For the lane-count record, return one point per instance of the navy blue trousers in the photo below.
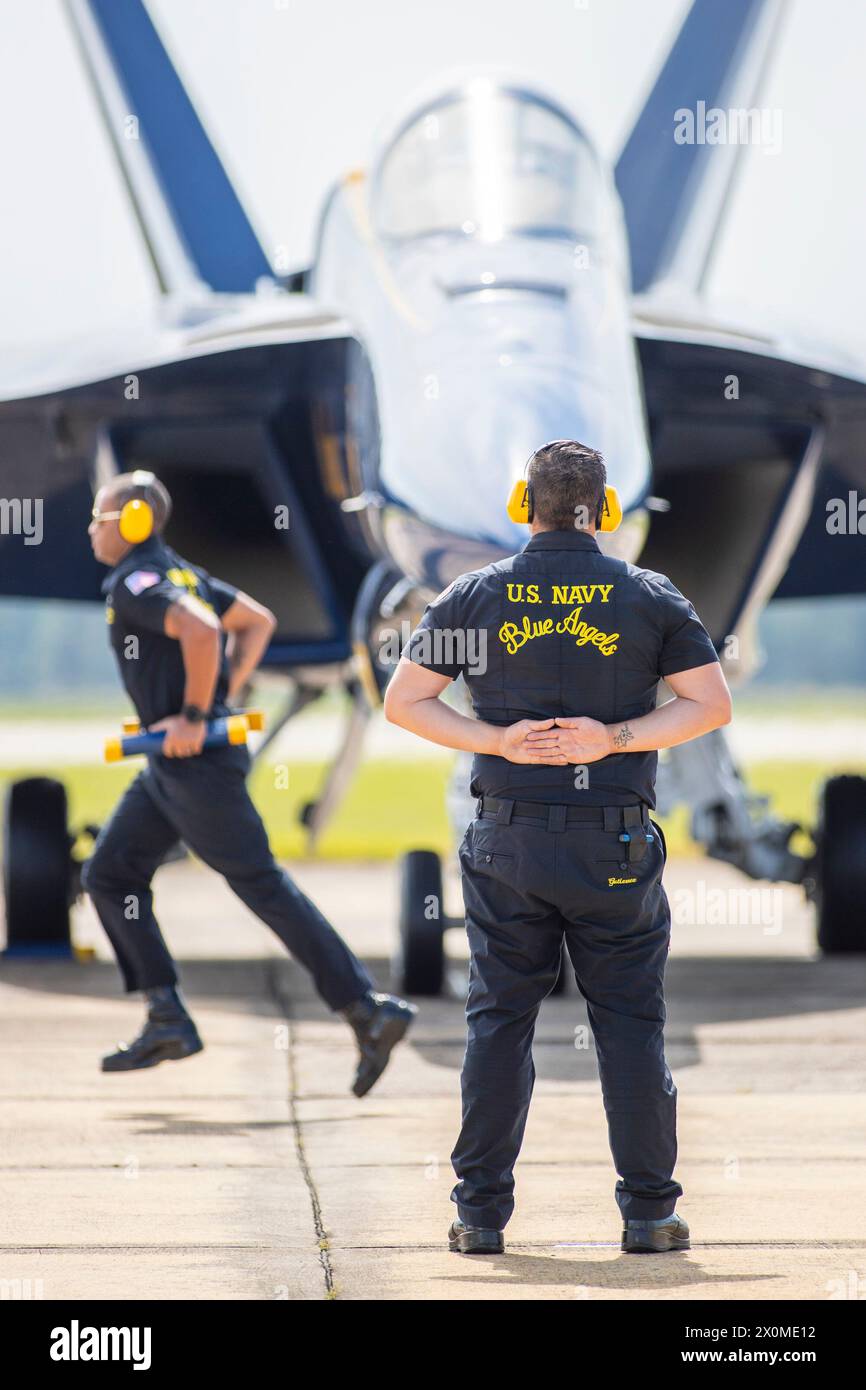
(204, 802)
(527, 889)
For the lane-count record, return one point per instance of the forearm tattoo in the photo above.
(624, 737)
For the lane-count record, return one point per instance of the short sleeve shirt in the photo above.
(138, 594)
(562, 629)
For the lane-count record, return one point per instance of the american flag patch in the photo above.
(140, 580)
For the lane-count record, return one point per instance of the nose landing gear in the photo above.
(418, 965)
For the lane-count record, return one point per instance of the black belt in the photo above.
(623, 819)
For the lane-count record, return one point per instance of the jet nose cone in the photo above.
(471, 445)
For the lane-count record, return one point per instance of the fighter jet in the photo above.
(487, 283)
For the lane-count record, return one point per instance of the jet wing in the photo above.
(746, 428)
(244, 403)
(751, 431)
(248, 417)
(674, 194)
(190, 216)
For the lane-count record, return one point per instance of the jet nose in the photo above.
(474, 438)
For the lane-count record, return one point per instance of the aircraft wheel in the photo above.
(37, 864)
(419, 965)
(840, 894)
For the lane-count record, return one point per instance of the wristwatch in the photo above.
(194, 714)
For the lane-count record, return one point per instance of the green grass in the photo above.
(390, 806)
(66, 709)
(393, 806)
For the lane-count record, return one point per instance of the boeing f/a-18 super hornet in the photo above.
(488, 284)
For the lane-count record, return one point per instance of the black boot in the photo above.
(378, 1021)
(475, 1240)
(168, 1034)
(640, 1239)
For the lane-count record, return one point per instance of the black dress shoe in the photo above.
(378, 1021)
(168, 1035)
(475, 1240)
(656, 1240)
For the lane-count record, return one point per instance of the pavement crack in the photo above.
(284, 1002)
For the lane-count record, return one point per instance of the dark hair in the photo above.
(142, 483)
(564, 476)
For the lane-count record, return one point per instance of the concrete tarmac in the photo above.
(250, 1172)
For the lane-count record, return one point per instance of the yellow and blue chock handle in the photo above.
(229, 728)
(255, 721)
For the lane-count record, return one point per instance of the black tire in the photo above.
(419, 965)
(840, 893)
(37, 864)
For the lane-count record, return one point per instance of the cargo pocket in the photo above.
(617, 873)
(662, 841)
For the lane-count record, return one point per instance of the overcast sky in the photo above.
(292, 91)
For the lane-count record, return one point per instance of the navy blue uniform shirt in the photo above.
(562, 629)
(138, 593)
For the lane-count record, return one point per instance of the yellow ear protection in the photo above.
(520, 508)
(609, 511)
(519, 504)
(136, 515)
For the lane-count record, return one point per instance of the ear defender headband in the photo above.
(136, 515)
(521, 509)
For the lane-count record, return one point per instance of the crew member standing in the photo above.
(186, 645)
(568, 647)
